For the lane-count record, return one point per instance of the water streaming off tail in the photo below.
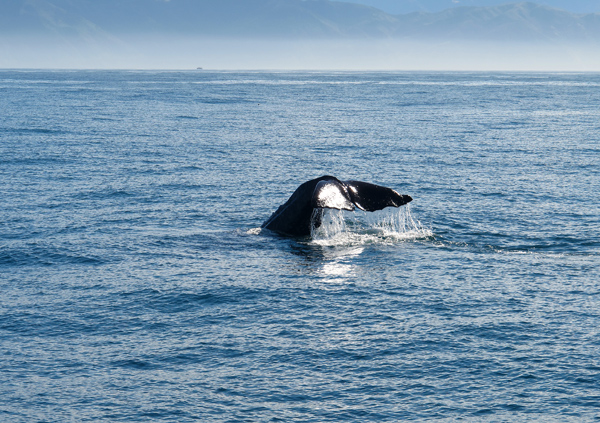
(339, 227)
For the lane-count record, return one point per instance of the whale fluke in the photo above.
(293, 218)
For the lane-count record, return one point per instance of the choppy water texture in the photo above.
(135, 285)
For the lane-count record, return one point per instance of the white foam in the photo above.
(253, 231)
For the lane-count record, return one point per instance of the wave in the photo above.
(480, 242)
(45, 256)
(40, 131)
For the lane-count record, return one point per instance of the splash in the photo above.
(338, 227)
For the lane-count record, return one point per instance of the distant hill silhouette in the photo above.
(410, 6)
(312, 19)
(509, 22)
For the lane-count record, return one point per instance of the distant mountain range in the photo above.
(294, 19)
(409, 6)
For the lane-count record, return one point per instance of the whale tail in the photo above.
(371, 197)
(346, 195)
(327, 192)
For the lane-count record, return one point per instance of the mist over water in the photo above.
(168, 52)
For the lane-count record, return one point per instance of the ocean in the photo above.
(136, 284)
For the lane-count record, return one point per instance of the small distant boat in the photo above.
(198, 68)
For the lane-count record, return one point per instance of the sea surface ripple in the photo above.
(137, 286)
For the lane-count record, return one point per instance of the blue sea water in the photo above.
(136, 285)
